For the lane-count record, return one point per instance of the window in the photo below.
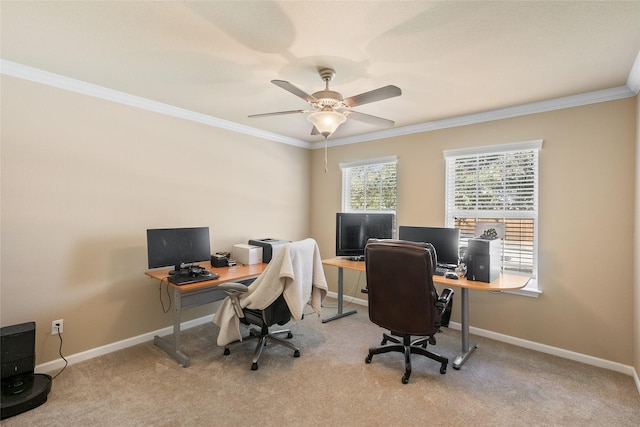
(369, 185)
(497, 187)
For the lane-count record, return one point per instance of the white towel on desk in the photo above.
(295, 271)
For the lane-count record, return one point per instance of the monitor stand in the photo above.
(356, 258)
(178, 269)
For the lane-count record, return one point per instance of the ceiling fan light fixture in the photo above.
(326, 121)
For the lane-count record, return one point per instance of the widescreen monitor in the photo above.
(177, 247)
(446, 241)
(354, 229)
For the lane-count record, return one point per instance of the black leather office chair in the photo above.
(403, 299)
(296, 274)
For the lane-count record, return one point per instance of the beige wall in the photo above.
(587, 179)
(82, 180)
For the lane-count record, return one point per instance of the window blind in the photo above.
(497, 186)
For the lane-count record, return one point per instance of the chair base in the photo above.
(408, 347)
(263, 338)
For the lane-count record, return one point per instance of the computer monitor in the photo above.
(354, 229)
(177, 247)
(446, 241)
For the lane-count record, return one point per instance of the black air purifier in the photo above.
(22, 389)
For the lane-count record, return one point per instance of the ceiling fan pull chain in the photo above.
(326, 167)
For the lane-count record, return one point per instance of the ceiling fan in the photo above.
(330, 109)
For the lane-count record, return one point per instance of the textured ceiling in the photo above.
(217, 58)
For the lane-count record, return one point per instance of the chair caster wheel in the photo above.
(289, 335)
(254, 366)
(405, 379)
(367, 359)
(296, 353)
(443, 369)
(383, 342)
(227, 352)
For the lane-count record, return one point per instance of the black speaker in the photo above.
(483, 260)
(21, 389)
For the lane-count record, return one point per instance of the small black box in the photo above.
(219, 261)
(483, 260)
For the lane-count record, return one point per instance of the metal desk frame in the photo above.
(195, 294)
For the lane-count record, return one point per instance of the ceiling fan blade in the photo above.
(373, 95)
(279, 113)
(294, 90)
(369, 119)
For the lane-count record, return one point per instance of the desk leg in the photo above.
(173, 350)
(340, 299)
(467, 347)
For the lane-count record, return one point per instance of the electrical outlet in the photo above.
(56, 326)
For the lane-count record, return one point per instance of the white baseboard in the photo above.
(119, 345)
(555, 351)
(543, 348)
(348, 299)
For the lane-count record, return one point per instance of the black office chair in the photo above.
(277, 313)
(403, 299)
(296, 271)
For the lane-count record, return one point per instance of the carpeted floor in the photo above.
(500, 385)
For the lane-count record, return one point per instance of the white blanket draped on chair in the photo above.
(295, 271)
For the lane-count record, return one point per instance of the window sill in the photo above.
(531, 290)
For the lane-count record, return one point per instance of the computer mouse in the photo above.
(195, 271)
(451, 275)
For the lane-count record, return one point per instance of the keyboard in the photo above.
(187, 279)
(442, 270)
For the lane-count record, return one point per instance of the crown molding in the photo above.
(633, 82)
(598, 96)
(55, 80)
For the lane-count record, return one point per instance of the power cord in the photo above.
(351, 292)
(168, 295)
(66, 362)
(360, 284)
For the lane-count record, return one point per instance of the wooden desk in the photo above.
(505, 282)
(195, 294)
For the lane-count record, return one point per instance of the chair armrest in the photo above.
(233, 286)
(234, 290)
(445, 297)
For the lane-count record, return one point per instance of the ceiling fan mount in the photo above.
(327, 74)
(330, 109)
(327, 98)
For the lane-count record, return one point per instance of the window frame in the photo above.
(534, 146)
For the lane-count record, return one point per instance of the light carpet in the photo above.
(330, 384)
